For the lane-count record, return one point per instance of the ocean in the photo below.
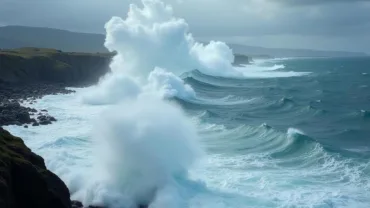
(291, 132)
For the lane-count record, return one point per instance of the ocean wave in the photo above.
(302, 165)
(365, 114)
(296, 144)
(258, 71)
(259, 66)
(255, 71)
(204, 83)
(244, 165)
(228, 100)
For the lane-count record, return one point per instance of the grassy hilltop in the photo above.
(50, 65)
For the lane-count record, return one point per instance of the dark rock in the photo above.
(24, 179)
(42, 117)
(45, 119)
(43, 110)
(32, 110)
(35, 124)
(23, 117)
(77, 204)
(25, 126)
(45, 122)
(12, 113)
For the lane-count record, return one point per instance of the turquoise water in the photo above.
(295, 133)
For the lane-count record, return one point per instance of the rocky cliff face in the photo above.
(30, 65)
(25, 181)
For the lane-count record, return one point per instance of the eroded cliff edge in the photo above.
(35, 65)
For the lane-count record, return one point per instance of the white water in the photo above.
(260, 70)
(221, 178)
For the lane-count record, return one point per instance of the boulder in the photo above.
(45, 122)
(77, 204)
(12, 113)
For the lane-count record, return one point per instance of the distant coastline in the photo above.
(20, 36)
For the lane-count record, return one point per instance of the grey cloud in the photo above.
(270, 20)
(315, 2)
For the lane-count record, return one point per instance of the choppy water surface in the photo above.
(291, 133)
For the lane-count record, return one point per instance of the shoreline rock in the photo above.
(13, 95)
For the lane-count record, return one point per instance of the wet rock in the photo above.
(11, 94)
(25, 126)
(23, 117)
(52, 118)
(77, 204)
(45, 122)
(32, 110)
(12, 113)
(45, 119)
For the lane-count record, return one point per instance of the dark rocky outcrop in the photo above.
(30, 91)
(12, 113)
(77, 204)
(24, 179)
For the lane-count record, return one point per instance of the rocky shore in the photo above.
(27, 74)
(12, 96)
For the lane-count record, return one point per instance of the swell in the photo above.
(251, 110)
(273, 163)
(262, 139)
(291, 149)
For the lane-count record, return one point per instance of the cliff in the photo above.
(21, 36)
(31, 65)
(24, 179)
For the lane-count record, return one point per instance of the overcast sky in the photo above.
(315, 24)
